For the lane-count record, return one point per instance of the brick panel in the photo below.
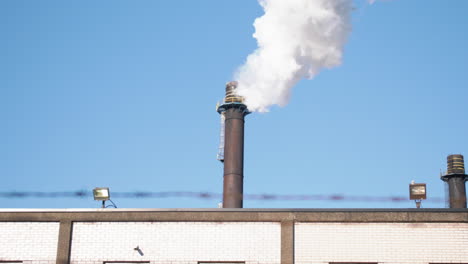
(176, 242)
(28, 242)
(381, 242)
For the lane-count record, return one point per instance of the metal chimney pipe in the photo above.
(234, 111)
(456, 179)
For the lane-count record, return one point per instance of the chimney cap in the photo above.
(455, 164)
(231, 94)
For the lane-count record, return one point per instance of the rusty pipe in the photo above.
(233, 186)
(456, 179)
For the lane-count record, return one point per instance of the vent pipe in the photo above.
(233, 111)
(456, 178)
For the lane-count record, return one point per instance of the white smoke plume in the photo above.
(296, 39)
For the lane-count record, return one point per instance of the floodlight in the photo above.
(101, 194)
(417, 192)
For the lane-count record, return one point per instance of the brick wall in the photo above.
(28, 242)
(381, 242)
(176, 242)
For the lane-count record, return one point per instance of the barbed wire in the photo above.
(212, 196)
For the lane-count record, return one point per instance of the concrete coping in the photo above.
(234, 215)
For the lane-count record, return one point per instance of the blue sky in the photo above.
(123, 93)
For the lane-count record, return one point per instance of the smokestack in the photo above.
(456, 179)
(232, 111)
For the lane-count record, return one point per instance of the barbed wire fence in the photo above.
(214, 196)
